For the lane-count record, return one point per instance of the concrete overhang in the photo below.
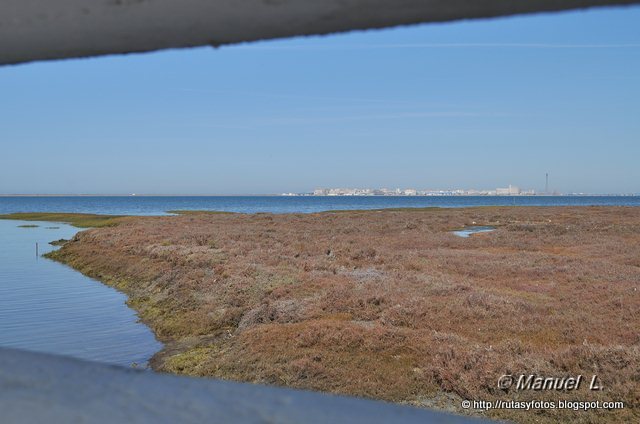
(55, 29)
(41, 388)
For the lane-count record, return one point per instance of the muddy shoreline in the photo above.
(387, 304)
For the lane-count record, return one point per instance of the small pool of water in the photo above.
(473, 230)
(48, 307)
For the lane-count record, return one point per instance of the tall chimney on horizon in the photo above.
(546, 184)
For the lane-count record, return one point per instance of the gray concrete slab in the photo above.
(53, 29)
(40, 388)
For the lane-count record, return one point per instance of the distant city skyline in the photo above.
(408, 190)
(504, 191)
(464, 104)
(361, 191)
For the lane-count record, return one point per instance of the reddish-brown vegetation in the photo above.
(389, 304)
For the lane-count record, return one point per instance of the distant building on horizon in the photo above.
(510, 191)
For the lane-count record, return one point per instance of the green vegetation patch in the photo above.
(198, 212)
(190, 362)
(28, 226)
(80, 220)
(59, 242)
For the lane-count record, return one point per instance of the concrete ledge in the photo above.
(54, 29)
(40, 388)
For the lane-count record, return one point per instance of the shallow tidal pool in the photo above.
(48, 307)
(466, 232)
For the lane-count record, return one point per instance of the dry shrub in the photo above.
(388, 305)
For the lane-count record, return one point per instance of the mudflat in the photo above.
(390, 304)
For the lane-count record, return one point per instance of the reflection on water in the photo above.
(48, 307)
(473, 230)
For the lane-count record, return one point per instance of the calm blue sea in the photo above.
(151, 205)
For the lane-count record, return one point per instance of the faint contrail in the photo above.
(437, 46)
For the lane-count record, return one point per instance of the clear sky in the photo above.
(478, 104)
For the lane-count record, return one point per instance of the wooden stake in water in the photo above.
(36, 250)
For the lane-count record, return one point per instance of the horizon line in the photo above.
(308, 194)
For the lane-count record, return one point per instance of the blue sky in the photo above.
(477, 104)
